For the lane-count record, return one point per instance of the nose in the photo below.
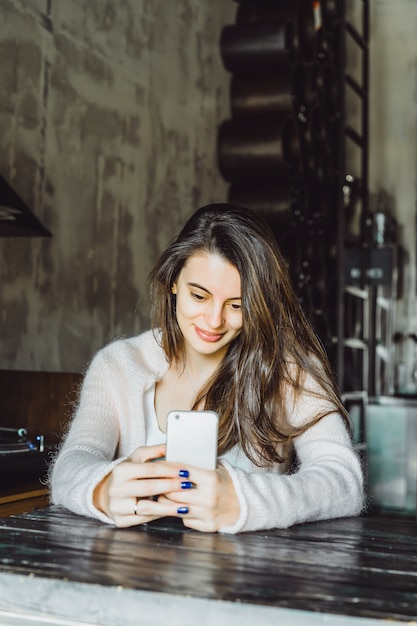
(215, 315)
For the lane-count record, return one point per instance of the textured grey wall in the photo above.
(108, 124)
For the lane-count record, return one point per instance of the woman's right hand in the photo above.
(119, 494)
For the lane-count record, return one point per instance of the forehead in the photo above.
(209, 270)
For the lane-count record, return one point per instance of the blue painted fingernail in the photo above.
(182, 510)
(183, 473)
(186, 484)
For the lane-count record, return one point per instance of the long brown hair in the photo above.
(276, 347)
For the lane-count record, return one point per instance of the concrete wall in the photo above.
(108, 123)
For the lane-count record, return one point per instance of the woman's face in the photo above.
(208, 307)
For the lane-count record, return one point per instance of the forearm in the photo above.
(74, 478)
(328, 484)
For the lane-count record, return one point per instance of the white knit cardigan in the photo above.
(109, 424)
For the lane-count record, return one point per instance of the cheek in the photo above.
(187, 308)
(236, 323)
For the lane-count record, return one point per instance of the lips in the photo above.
(206, 336)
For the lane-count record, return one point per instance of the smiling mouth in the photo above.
(206, 336)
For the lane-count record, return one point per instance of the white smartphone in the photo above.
(192, 438)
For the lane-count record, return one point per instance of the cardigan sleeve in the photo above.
(327, 483)
(87, 454)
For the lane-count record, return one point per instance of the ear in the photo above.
(174, 289)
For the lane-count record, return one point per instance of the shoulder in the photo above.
(311, 399)
(141, 351)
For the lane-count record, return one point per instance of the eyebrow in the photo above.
(209, 292)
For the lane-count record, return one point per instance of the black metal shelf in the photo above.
(356, 299)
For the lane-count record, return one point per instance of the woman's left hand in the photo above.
(211, 503)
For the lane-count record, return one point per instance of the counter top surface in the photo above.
(362, 567)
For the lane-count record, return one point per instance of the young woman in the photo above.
(228, 335)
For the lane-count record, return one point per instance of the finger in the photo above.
(122, 507)
(145, 487)
(161, 508)
(130, 470)
(124, 521)
(202, 525)
(144, 454)
(125, 512)
(204, 491)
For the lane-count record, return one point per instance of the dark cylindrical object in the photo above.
(281, 205)
(278, 92)
(263, 95)
(246, 49)
(284, 200)
(298, 12)
(257, 151)
(251, 12)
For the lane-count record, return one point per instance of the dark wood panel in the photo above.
(23, 501)
(356, 566)
(40, 401)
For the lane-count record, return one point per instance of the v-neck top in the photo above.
(154, 435)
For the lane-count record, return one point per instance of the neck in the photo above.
(202, 366)
(199, 368)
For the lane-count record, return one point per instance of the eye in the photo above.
(197, 296)
(235, 306)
